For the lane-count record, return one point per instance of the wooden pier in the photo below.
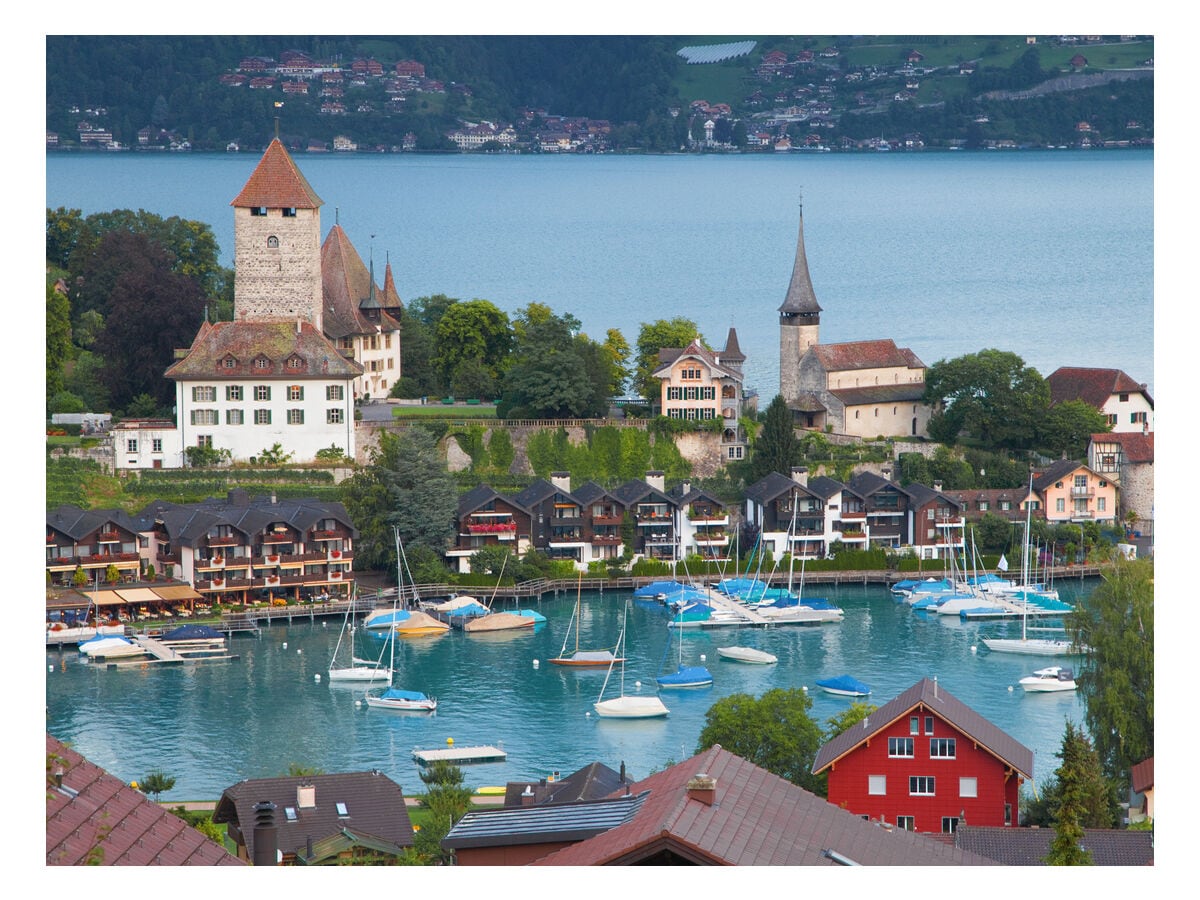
(159, 653)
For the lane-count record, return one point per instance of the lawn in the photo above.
(445, 411)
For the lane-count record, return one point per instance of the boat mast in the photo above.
(792, 538)
(1025, 560)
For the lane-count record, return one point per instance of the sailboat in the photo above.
(684, 676)
(623, 706)
(1025, 644)
(392, 697)
(582, 658)
(359, 669)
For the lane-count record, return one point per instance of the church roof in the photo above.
(732, 352)
(348, 289)
(277, 183)
(800, 296)
(905, 392)
(880, 354)
(391, 297)
(229, 350)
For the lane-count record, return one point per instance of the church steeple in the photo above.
(799, 321)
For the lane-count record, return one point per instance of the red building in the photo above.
(925, 761)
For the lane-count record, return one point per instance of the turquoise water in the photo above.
(1048, 254)
(210, 725)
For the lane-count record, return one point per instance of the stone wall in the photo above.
(280, 282)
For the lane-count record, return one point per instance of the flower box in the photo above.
(273, 558)
(335, 575)
(335, 554)
(272, 579)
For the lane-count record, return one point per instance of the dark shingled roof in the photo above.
(756, 818)
(1092, 386)
(277, 183)
(590, 492)
(905, 392)
(772, 486)
(243, 342)
(800, 295)
(374, 805)
(189, 523)
(96, 818)
(593, 782)
(1055, 472)
(1030, 846)
(929, 695)
(732, 352)
(881, 354)
(540, 824)
(78, 523)
(635, 491)
(668, 356)
(478, 496)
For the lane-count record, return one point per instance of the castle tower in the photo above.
(799, 321)
(277, 244)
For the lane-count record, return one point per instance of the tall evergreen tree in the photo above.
(1084, 799)
(777, 448)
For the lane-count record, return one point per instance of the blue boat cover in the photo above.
(844, 683)
(537, 617)
(654, 588)
(398, 694)
(687, 675)
(192, 633)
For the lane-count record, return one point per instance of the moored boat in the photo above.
(1049, 680)
(844, 685)
(110, 645)
(747, 655)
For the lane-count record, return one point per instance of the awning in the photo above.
(108, 598)
(137, 595)
(175, 592)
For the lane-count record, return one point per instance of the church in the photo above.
(865, 389)
(311, 333)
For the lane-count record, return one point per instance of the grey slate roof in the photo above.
(539, 824)
(590, 492)
(772, 486)
(931, 696)
(825, 487)
(78, 523)
(593, 782)
(538, 492)
(478, 496)
(187, 524)
(922, 495)
(906, 392)
(800, 296)
(1029, 846)
(635, 490)
(1056, 472)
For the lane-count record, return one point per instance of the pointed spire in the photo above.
(391, 297)
(277, 183)
(732, 352)
(800, 298)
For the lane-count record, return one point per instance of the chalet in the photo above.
(593, 782)
(603, 516)
(702, 522)
(1142, 789)
(1126, 404)
(91, 541)
(687, 815)
(1069, 491)
(409, 68)
(486, 518)
(1128, 460)
(937, 522)
(790, 516)
(702, 385)
(556, 517)
(926, 762)
(1006, 503)
(94, 818)
(295, 87)
(316, 819)
(653, 512)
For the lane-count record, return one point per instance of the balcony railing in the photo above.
(490, 527)
(279, 538)
(606, 520)
(1082, 492)
(606, 539)
(108, 537)
(227, 541)
(327, 535)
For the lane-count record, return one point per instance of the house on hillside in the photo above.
(926, 762)
(1127, 458)
(1126, 404)
(1073, 492)
(316, 819)
(702, 385)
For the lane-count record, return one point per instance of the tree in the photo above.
(1116, 678)
(58, 338)
(501, 450)
(555, 371)
(776, 449)
(991, 395)
(475, 330)
(1067, 428)
(1084, 800)
(156, 783)
(406, 484)
(617, 350)
(851, 715)
(297, 770)
(274, 455)
(774, 732)
(447, 801)
(654, 336)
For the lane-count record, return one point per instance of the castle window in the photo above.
(228, 362)
(262, 392)
(295, 362)
(258, 210)
(234, 417)
(233, 393)
(289, 212)
(206, 394)
(333, 416)
(295, 392)
(272, 243)
(295, 417)
(262, 417)
(334, 392)
(262, 362)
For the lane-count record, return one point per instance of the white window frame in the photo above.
(233, 393)
(334, 416)
(262, 417)
(295, 417)
(922, 786)
(334, 392)
(938, 748)
(262, 392)
(897, 746)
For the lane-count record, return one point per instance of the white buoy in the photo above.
(317, 677)
(973, 648)
(804, 687)
(1010, 688)
(285, 645)
(358, 703)
(703, 657)
(51, 668)
(638, 685)
(536, 664)
(588, 714)
(298, 650)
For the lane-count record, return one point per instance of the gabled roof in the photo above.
(825, 487)
(277, 183)
(1030, 846)
(881, 354)
(753, 818)
(593, 782)
(348, 289)
(929, 696)
(590, 493)
(905, 392)
(1142, 776)
(1092, 386)
(1135, 446)
(78, 523)
(635, 490)
(867, 483)
(540, 491)
(682, 497)
(95, 818)
(188, 523)
(243, 342)
(772, 486)
(541, 823)
(800, 297)
(807, 402)
(1057, 471)
(481, 494)
(922, 495)
(373, 803)
(668, 356)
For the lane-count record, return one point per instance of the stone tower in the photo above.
(277, 244)
(799, 321)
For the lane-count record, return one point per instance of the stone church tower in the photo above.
(799, 322)
(277, 244)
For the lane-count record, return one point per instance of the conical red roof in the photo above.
(277, 184)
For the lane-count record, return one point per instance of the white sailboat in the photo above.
(392, 697)
(358, 670)
(582, 658)
(1025, 644)
(624, 706)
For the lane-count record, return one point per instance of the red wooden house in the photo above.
(926, 761)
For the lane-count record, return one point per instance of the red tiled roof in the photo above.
(277, 183)
(865, 355)
(755, 818)
(346, 282)
(242, 342)
(1142, 775)
(1137, 447)
(1093, 386)
(95, 818)
(668, 356)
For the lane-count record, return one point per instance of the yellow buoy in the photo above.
(450, 741)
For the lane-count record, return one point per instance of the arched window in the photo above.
(272, 243)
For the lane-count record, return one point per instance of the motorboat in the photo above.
(405, 701)
(109, 646)
(1050, 679)
(747, 655)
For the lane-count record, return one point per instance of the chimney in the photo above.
(306, 796)
(58, 776)
(703, 787)
(937, 486)
(622, 771)
(685, 488)
(657, 480)
(266, 837)
(800, 475)
(562, 481)
(308, 848)
(527, 795)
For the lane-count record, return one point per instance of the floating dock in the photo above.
(460, 755)
(158, 652)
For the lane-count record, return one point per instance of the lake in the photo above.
(1048, 254)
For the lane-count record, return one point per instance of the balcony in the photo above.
(606, 539)
(606, 519)
(279, 537)
(327, 535)
(1082, 492)
(491, 527)
(171, 559)
(858, 516)
(716, 539)
(108, 537)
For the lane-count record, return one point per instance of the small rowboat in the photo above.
(747, 655)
